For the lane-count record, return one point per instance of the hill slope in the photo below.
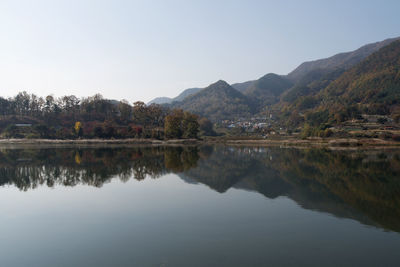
(180, 97)
(375, 81)
(186, 93)
(267, 89)
(342, 60)
(371, 87)
(367, 77)
(217, 101)
(241, 87)
(160, 100)
(311, 83)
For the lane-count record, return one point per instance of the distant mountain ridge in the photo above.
(371, 87)
(268, 88)
(219, 100)
(342, 60)
(222, 101)
(241, 87)
(376, 80)
(186, 93)
(303, 89)
(180, 97)
(160, 100)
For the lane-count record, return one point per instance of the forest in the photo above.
(69, 117)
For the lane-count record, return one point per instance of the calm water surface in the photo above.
(199, 206)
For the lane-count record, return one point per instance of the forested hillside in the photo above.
(342, 60)
(374, 84)
(220, 101)
(361, 81)
(371, 87)
(241, 87)
(217, 101)
(267, 89)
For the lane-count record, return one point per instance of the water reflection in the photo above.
(29, 168)
(361, 185)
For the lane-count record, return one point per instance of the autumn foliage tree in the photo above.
(173, 124)
(69, 117)
(181, 124)
(78, 129)
(190, 125)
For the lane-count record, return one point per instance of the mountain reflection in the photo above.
(361, 185)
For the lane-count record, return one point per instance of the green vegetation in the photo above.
(29, 116)
(219, 100)
(181, 124)
(374, 84)
(333, 91)
(267, 89)
(342, 60)
(349, 91)
(320, 131)
(371, 87)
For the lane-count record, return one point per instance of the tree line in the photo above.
(67, 117)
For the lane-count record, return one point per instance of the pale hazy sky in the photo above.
(138, 50)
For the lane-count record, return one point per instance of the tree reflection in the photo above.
(28, 169)
(361, 185)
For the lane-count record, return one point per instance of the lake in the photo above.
(199, 206)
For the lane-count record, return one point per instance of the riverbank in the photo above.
(317, 142)
(133, 141)
(310, 142)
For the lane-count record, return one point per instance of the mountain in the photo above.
(267, 89)
(180, 97)
(311, 83)
(373, 82)
(241, 87)
(186, 93)
(160, 100)
(217, 101)
(313, 92)
(370, 87)
(342, 60)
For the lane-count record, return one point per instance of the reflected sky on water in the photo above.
(199, 206)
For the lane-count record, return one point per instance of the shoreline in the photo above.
(311, 142)
(318, 142)
(97, 141)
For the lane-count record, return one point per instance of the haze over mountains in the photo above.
(369, 75)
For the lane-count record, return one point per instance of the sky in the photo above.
(139, 50)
